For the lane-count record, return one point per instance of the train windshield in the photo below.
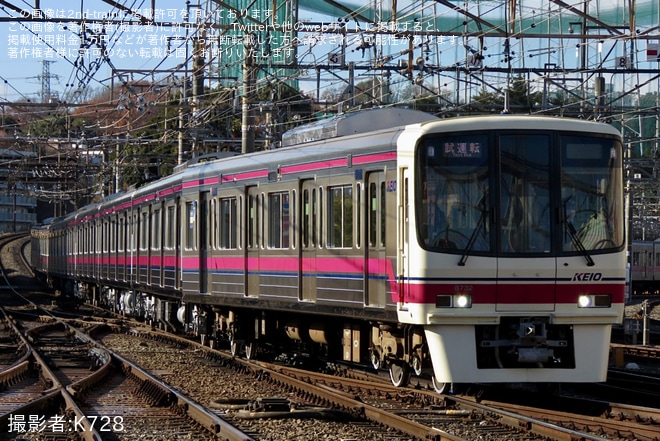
(455, 187)
(518, 194)
(591, 194)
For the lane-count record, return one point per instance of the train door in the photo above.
(143, 249)
(202, 225)
(104, 266)
(149, 243)
(76, 246)
(309, 240)
(97, 251)
(403, 234)
(121, 247)
(160, 218)
(177, 244)
(525, 226)
(134, 241)
(375, 267)
(253, 232)
(157, 244)
(114, 247)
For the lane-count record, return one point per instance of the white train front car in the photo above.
(512, 251)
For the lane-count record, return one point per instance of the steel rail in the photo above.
(206, 418)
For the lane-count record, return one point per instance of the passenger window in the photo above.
(278, 220)
(155, 230)
(340, 216)
(373, 209)
(169, 229)
(306, 214)
(252, 221)
(228, 223)
(191, 225)
(144, 233)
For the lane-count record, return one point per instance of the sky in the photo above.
(27, 45)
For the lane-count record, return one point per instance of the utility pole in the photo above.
(198, 62)
(182, 101)
(249, 82)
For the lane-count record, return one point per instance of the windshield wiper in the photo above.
(576, 240)
(473, 237)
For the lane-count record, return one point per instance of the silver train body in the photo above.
(645, 267)
(477, 249)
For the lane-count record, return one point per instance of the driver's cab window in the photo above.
(525, 213)
(454, 193)
(591, 199)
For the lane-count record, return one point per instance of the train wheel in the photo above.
(440, 387)
(375, 359)
(251, 350)
(234, 348)
(416, 364)
(399, 373)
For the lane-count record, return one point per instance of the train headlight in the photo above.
(453, 301)
(594, 301)
(463, 301)
(584, 301)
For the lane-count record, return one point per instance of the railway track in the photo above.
(420, 414)
(70, 386)
(618, 422)
(16, 273)
(65, 387)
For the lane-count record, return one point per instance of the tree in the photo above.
(488, 101)
(521, 97)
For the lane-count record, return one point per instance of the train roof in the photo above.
(313, 151)
(354, 123)
(520, 122)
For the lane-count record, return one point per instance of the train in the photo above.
(644, 267)
(476, 249)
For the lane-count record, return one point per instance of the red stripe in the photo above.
(542, 293)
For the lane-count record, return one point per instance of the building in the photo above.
(17, 206)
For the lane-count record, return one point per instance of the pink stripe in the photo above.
(146, 198)
(253, 263)
(339, 265)
(243, 176)
(169, 191)
(378, 157)
(342, 162)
